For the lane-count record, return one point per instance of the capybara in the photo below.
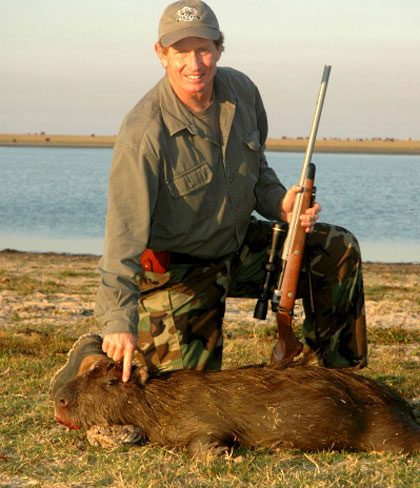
(304, 407)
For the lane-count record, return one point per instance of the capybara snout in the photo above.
(303, 407)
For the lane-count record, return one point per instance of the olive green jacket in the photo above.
(173, 186)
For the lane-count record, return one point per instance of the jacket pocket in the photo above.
(190, 181)
(252, 140)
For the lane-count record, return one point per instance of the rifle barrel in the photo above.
(297, 208)
(315, 122)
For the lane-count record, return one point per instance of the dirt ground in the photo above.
(48, 288)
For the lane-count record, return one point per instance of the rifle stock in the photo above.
(284, 296)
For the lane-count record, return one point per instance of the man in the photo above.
(188, 171)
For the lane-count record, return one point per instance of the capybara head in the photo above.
(99, 396)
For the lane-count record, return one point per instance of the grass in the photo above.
(27, 286)
(37, 452)
(393, 335)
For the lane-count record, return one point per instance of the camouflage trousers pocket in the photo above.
(180, 325)
(158, 340)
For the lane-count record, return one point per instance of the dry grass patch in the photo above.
(37, 452)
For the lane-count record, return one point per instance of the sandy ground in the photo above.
(60, 289)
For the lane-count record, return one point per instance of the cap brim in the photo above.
(190, 31)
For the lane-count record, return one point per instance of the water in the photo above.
(375, 196)
(54, 199)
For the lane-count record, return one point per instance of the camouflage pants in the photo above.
(181, 311)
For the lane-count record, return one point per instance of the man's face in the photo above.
(191, 66)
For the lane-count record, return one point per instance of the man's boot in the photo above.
(84, 352)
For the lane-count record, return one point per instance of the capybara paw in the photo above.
(110, 436)
(205, 450)
(143, 374)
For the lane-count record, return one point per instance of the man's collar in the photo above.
(176, 115)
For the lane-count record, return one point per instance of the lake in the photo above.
(54, 199)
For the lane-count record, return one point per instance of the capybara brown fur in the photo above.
(303, 407)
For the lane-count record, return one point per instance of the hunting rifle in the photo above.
(283, 297)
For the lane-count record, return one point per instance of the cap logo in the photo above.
(187, 14)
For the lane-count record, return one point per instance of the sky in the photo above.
(78, 66)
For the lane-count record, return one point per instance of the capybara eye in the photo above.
(112, 382)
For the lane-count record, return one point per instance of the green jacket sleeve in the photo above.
(269, 190)
(133, 187)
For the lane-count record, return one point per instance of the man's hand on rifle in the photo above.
(308, 219)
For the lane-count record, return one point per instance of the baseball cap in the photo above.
(187, 18)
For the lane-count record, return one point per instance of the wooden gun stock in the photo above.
(288, 345)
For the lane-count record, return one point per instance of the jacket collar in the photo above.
(177, 117)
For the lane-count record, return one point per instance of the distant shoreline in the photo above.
(362, 146)
(93, 255)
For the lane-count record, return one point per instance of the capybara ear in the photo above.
(140, 373)
(95, 364)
